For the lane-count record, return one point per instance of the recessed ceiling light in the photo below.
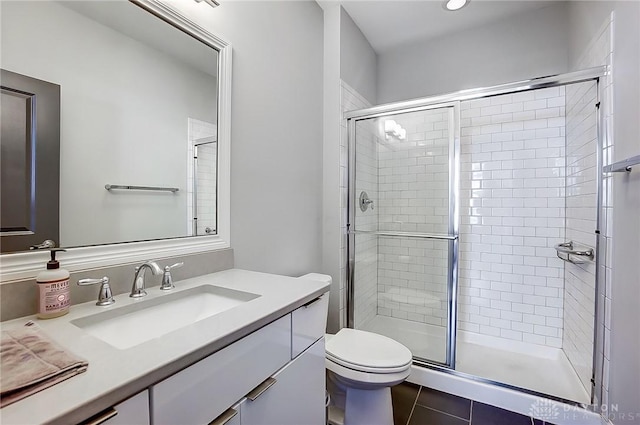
(455, 4)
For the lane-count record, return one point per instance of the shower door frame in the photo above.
(451, 237)
(448, 100)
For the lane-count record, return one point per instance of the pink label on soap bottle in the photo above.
(54, 296)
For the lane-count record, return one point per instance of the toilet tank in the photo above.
(317, 276)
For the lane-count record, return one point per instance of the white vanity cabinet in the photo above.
(296, 396)
(262, 377)
(203, 391)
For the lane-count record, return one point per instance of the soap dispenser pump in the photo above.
(53, 289)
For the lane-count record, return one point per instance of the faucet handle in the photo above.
(167, 280)
(105, 296)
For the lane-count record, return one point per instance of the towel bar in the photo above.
(568, 252)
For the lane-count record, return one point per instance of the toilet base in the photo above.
(368, 407)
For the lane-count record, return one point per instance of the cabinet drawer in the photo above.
(309, 324)
(296, 398)
(132, 411)
(201, 392)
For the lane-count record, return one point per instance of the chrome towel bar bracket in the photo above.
(622, 166)
(569, 253)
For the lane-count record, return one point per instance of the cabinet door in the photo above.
(308, 324)
(296, 398)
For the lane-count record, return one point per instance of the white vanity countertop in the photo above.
(115, 375)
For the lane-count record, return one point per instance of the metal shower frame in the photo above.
(453, 100)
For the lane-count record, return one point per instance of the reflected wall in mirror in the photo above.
(138, 98)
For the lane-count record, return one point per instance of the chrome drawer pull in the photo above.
(308, 304)
(101, 417)
(257, 391)
(225, 417)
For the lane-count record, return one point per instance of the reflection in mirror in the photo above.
(138, 103)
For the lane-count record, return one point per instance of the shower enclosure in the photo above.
(461, 208)
(202, 176)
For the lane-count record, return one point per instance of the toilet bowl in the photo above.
(361, 369)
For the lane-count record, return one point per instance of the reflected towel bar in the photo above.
(568, 250)
(621, 166)
(127, 187)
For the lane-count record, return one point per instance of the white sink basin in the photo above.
(144, 320)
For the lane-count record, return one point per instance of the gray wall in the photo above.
(528, 45)
(276, 131)
(586, 18)
(358, 60)
(331, 218)
(348, 56)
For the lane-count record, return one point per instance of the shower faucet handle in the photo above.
(167, 280)
(365, 202)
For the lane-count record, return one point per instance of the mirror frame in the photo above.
(25, 265)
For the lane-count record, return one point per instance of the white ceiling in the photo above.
(391, 23)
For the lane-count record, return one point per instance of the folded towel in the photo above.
(31, 362)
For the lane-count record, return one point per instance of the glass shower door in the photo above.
(403, 228)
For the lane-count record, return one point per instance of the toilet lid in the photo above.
(367, 351)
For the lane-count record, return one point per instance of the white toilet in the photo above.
(361, 369)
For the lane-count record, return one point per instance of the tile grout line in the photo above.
(470, 412)
(414, 404)
(444, 413)
(440, 411)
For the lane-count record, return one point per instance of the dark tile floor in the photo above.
(416, 405)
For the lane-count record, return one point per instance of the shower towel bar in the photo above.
(127, 187)
(621, 166)
(570, 253)
(404, 234)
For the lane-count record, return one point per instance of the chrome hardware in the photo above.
(365, 201)
(622, 166)
(568, 252)
(101, 417)
(313, 301)
(128, 187)
(44, 245)
(403, 234)
(137, 290)
(105, 297)
(225, 417)
(208, 230)
(167, 280)
(260, 389)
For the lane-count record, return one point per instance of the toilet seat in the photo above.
(367, 352)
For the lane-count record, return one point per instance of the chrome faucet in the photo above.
(137, 290)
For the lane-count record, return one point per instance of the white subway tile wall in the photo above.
(581, 214)
(414, 197)
(600, 52)
(366, 248)
(512, 212)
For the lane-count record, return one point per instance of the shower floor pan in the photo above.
(529, 366)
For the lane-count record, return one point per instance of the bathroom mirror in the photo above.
(143, 91)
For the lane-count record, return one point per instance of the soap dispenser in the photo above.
(53, 289)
